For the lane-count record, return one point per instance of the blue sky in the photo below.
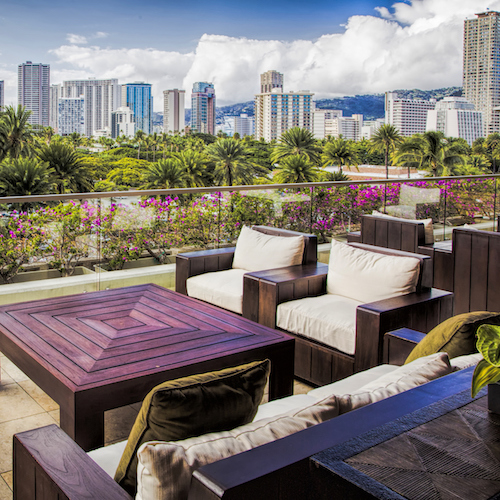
(328, 47)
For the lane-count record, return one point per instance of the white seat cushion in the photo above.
(369, 276)
(331, 319)
(222, 288)
(256, 251)
(108, 457)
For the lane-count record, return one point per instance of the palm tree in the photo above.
(232, 162)
(164, 174)
(340, 152)
(24, 177)
(139, 138)
(492, 146)
(194, 164)
(296, 141)
(386, 139)
(76, 139)
(69, 173)
(295, 169)
(432, 151)
(15, 132)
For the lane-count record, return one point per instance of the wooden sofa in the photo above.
(220, 259)
(48, 465)
(318, 363)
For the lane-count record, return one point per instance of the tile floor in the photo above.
(24, 406)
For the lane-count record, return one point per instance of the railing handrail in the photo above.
(216, 189)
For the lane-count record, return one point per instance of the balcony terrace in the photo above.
(114, 237)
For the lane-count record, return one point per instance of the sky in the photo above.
(332, 48)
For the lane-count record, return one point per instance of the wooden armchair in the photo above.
(208, 261)
(319, 363)
(409, 236)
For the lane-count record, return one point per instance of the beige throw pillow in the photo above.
(369, 276)
(406, 377)
(256, 251)
(165, 468)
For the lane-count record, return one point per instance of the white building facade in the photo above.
(408, 116)
(456, 117)
(71, 115)
(122, 122)
(174, 112)
(242, 125)
(102, 97)
(276, 112)
(332, 123)
(55, 95)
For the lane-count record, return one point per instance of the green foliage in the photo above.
(386, 140)
(15, 132)
(341, 153)
(487, 371)
(164, 174)
(296, 142)
(296, 169)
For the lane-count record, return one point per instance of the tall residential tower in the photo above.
(203, 108)
(481, 71)
(33, 91)
(137, 96)
(2, 94)
(271, 80)
(173, 111)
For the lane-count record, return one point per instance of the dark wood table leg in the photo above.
(281, 376)
(85, 426)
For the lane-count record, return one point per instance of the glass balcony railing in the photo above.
(88, 235)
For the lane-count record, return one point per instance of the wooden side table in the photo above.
(448, 450)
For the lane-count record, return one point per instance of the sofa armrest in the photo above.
(49, 465)
(275, 286)
(399, 343)
(420, 311)
(204, 261)
(354, 237)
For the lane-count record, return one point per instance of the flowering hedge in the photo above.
(65, 234)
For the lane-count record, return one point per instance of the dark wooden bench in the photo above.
(48, 465)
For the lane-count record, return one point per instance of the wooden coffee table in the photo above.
(96, 351)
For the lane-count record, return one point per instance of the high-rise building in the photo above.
(242, 125)
(481, 70)
(102, 97)
(174, 111)
(33, 91)
(409, 116)
(2, 94)
(456, 117)
(55, 95)
(203, 108)
(71, 115)
(137, 96)
(271, 80)
(122, 122)
(276, 112)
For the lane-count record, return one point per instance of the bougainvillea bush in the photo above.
(116, 233)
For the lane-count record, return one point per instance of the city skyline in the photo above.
(329, 48)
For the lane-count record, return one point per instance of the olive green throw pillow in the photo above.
(192, 406)
(456, 335)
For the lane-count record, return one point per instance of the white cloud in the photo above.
(76, 39)
(101, 34)
(416, 44)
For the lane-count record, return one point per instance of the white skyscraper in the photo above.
(409, 116)
(71, 115)
(174, 111)
(276, 112)
(33, 91)
(55, 95)
(456, 117)
(331, 122)
(102, 97)
(271, 80)
(481, 70)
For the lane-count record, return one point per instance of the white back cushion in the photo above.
(164, 469)
(428, 227)
(368, 276)
(256, 251)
